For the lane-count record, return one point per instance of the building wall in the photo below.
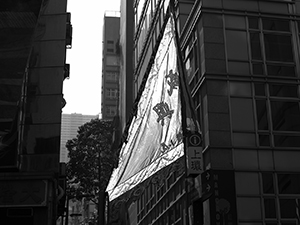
(242, 63)
(69, 127)
(34, 38)
(241, 60)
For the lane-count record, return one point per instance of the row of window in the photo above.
(110, 47)
(147, 11)
(266, 47)
(261, 114)
(158, 202)
(272, 111)
(111, 93)
(111, 111)
(112, 76)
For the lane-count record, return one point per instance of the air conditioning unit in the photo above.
(69, 31)
(67, 71)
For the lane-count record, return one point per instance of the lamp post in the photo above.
(100, 195)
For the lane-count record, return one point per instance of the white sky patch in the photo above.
(83, 90)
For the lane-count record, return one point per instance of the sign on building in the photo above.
(194, 154)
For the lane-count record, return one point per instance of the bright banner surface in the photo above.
(155, 134)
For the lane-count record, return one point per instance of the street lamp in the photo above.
(100, 194)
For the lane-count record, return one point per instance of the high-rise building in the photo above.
(69, 127)
(110, 65)
(241, 63)
(127, 88)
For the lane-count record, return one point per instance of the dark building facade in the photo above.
(34, 38)
(241, 61)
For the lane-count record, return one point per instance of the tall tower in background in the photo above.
(110, 65)
(69, 128)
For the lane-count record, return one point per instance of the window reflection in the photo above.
(253, 22)
(286, 141)
(268, 184)
(261, 115)
(281, 70)
(278, 25)
(278, 48)
(285, 116)
(270, 208)
(259, 89)
(255, 46)
(289, 183)
(281, 90)
(264, 140)
(288, 208)
(257, 68)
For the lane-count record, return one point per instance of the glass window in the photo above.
(112, 93)
(276, 25)
(242, 114)
(285, 115)
(236, 40)
(278, 47)
(259, 89)
(139, 8)
(264, 139)
(255, 46)
(282, 90)
(262, 115)
(286, 140)
(288, 208)
(281, 70)
(253, 22)
(289, 183)
(258, 69)
(268, 183)
(270, 208)
(112, 75)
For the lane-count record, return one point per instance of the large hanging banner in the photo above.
(155, 134)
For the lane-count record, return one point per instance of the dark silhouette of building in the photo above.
(34, 37)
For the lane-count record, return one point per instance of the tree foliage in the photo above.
(91, 148)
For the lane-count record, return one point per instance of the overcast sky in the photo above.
(83, 90)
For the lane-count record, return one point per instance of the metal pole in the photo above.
(99, 186)
(100, 195)
(67, 212)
